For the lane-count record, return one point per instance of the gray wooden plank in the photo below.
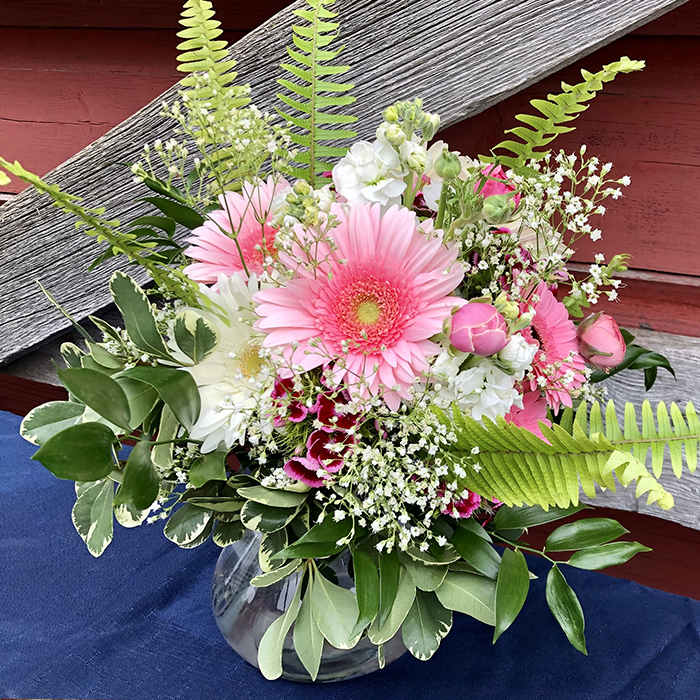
(460, 55)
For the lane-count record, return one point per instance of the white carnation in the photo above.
(481, 390)
(518, 354)
(233, 379)
(370, 173)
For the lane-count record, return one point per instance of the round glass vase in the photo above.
(243, 613)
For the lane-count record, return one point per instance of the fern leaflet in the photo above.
(312, 93)
(518, 468)
(557, 110)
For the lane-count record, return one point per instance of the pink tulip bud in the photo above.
(479, 328)
(496, 186)
(601, 342)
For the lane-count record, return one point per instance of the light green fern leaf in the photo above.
(556, 111)
(585, 450)
(314, 89)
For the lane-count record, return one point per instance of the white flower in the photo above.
(413, 155)
(518, 354)
(370, 173)
(481, 390)
(233, 378)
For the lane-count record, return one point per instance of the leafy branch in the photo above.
(312, 93)
(557, 110)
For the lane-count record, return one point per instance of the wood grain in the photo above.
(462, 57)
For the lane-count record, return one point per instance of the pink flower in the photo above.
(328, 449)
(245, 217)
(463, 507)
(305, 470)
(499, 185)
(479, 328)
(534, 409)
(330, 416)
(601, 342)
(285, 396)
(557, 367)
(369, 303)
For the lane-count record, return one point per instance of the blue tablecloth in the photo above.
(136, 624)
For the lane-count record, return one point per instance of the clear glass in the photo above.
(244, 612)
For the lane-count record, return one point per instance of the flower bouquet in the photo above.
(374, 353)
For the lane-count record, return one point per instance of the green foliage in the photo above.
(312, 93)
(566, 608)
(556, 111)
(43, 422)
(425, 626)
(205, 58)
(512, 586)
(517, 467)
(92, 514)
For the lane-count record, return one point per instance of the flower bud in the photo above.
(498, 209)
(413, 155)
(494, 181)
(392, 134)
(447, 166)
(302, 187)
(391, 114)
(479, 329)
(619, 263)
(601, 342)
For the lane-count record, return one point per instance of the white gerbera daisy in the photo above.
(234, 377)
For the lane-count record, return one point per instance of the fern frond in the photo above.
(518, 468)
(310, 93)
(557, 110)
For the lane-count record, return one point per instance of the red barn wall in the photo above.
(72, 69)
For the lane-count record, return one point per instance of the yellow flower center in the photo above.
(249, 362)
(368, 312)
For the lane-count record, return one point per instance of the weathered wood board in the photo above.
(462, 57)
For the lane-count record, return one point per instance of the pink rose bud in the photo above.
(497, 183)
(601, 342)
(479, 328)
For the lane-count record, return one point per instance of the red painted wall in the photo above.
(72, 69)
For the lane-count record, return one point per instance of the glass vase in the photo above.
(243, 613)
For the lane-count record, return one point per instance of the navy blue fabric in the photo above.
(136, 624)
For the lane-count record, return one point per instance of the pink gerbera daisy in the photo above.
(368, 301)
(533, 411)
(245, 217)
(558, 366)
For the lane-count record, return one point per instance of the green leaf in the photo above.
(308, 638)
(511, 590)
(425, 625)
(366, 589)
(389, 574)
(272, 642)
(195, 336)
(138, 315)
(604, 555)
(142, 399)
(320, 541)
(256, 516)
(469, 594)
(71, 355)
(185, 216)
(335, 612)
(270, 577)
(161, 222)
(426, 578)
(141, 480)
(82, 452)
(186, 524)
(584, 533)
(92, 515)
(49, 419)
(273, 497)
(100, 392)
(208, 467)
(175, 387)
(228, 533)
(128, 516)
(402, 602)
(270, 544)
(168, 428)
(566, 609)
(476, 552)
(522, 517)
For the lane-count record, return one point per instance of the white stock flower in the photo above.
(370, 173)
(481, 390)
(414, 156)
(232, 379)
(518, 354)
